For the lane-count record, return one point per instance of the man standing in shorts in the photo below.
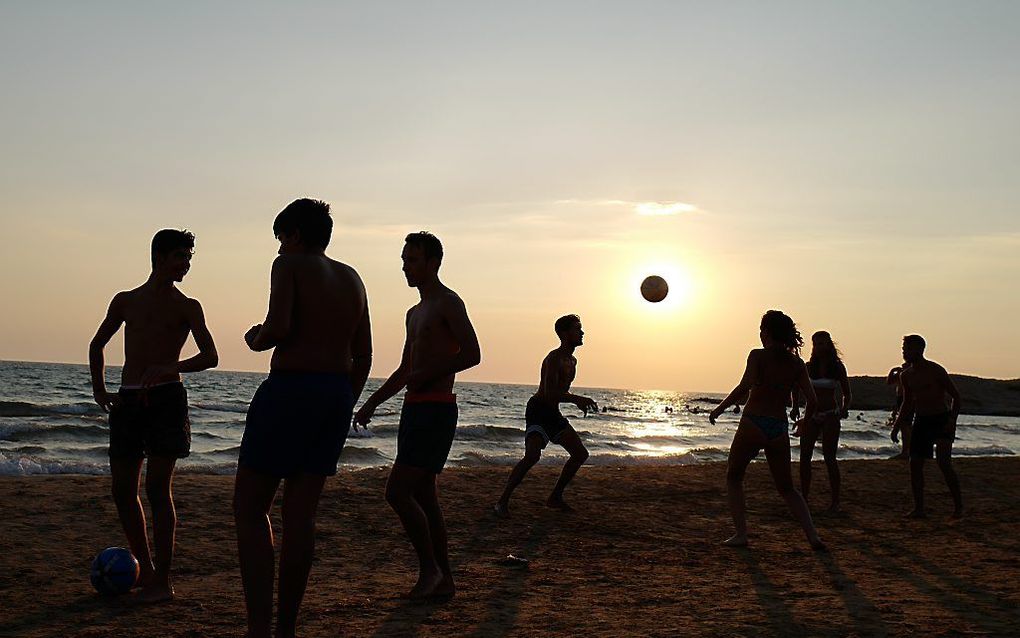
(149, 414)
(298, 420)
(440, 343)
(925, 386)
(543, 419)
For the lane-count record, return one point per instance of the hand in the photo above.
(714, 414)
(895, 435)
(798, 425)
(364, 416)
(106, 400)
(249, 337)
(158, 372)
(844, 413)
(587, 405)
(794, 414)
(950, 429)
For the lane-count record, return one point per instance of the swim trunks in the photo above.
(544, 419)
(427, 425)
(297, 423)
(927, 430)
(151, 422)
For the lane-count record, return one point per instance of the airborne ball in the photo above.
(654, 289)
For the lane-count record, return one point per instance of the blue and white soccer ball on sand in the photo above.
(114, 571)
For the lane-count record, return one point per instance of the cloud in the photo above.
(646, 209)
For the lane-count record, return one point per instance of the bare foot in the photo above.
(817, 544)
(557, 503)
(915, 513)
(427, 583)
(737, 540)
(445, 589)
(501, 509)
(154, 593)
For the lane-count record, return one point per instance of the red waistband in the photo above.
(430, 397)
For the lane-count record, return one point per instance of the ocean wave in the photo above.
(237, 408)
(34, 431)
(702, 455)
(488, 432)
(355, 455)
(24, 408)
(19, 465)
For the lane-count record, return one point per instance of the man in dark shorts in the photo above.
(440, 343)
(318, 327)
(925, 386)
(149, 414)
(543, 420)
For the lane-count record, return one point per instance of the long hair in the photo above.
(781, 328)
(827, 361)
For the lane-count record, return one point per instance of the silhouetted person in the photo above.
(925, 386)
(770, 376)
(893, 379)
(440, 343)
(545, 423)
(827, 372)
(318, 327)
(149, 414)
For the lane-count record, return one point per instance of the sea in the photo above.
(49, 424)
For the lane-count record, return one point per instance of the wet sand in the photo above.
(640, 555)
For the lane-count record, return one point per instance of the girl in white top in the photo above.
(828, 374)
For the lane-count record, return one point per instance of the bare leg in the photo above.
(917, 487)
(830, 444)
(532, 454)
(578, 455)
(777, 452)
(159, 474)
(807, 450)
(253, 500)
(944, 453)
(126, 474)
(300, 501)
(404, 480)
(427, 496)
(744, 448)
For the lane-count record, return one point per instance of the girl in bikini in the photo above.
(827, 373)
(769, 378)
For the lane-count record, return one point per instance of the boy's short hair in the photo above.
(168, 240)
(915, 340)
(428, 243)
(566, 322)
(310, 217)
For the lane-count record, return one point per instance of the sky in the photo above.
(856, 165)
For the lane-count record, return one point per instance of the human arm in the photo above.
(847, 395)
(954, 396)
(392, 385)
(469, 355)
(361, 353)
(810, 400)
(97, 365)
(906, 411)
(553, 386)
(276, 327)
(206, 358)
(742, 388)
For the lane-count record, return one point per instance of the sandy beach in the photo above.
(638, 556)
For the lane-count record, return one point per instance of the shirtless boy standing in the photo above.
(440, 343)
(149, 414)
(318, 328)
(925, 386)
(543, 419)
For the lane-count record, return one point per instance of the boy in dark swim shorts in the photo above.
(544, 422)
(440, 342)
(149, 414)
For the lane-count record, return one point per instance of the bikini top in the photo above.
(824, 384)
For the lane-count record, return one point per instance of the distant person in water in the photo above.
(440, 342)
(544, 422)
(318, 328)
(770, 376)
(893, 379)
(925, 387)
(828, 374)
(149, 414)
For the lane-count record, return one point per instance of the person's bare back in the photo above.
(926, 382)
(327, 307)
(156, 327)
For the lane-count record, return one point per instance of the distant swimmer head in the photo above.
(568, 329)
(778, 329)
(303, 226)
(913, 348)
(422, 256)
(171, 253)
